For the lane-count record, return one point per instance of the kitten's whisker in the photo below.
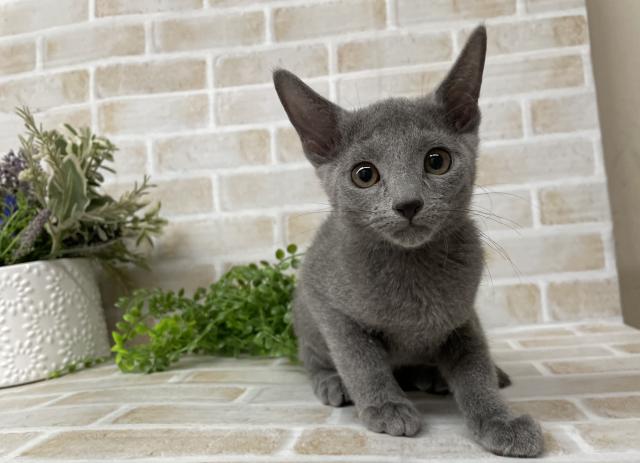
(501, 251)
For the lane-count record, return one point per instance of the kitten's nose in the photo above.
(408, 208)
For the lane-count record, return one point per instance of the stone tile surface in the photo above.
(580, 380)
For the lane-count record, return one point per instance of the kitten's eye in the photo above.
(437, 162)
(365, 175)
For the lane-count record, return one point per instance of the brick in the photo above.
(600, 327)
(158, 114)
(291, 393)
(539, 6)
(13, 441)
(212, 151)
(19, 56)
(605, 437)
(173, 275)
(521, 36)
(169, 393)
(149, 443)
(203, 32)
(59, 416)
(614, 407)
(172, 194)
(32, 15)
(302, 226)
(150, 77)
(540, 331)
(254, 105)
(518, 369)
(535, 255)
(321, 20)
(122, 7)
(546, 354)
(131, 158)
(566, 385)
(93, 42)
(631, 348)
(535, 161)
(574, 204)
(257, 67)
(501, 121)
(508, 305)
(219, 415)
(288, 146)
(416, 11)
(564, 114)
(77, 116)
(579, 300)
(604, 365)
(549, 410)
(361, 91)
(231, 3)
(501, 210)
(21, 403)
(64, 385)
(583, 340)
(353, 441)
(530, 75)
(216, 236)
(395, 50)
(272, 189)
(44, 92)
(272, 376)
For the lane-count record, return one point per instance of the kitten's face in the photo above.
(403, 169)
(401, 172)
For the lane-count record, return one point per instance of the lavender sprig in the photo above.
(11, 166)
(30, 234)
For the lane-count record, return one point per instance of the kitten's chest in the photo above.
(415, 302)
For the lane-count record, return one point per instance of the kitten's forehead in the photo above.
(394, 115)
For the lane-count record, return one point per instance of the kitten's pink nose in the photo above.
(409, 209)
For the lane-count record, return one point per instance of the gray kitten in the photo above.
(386, 293)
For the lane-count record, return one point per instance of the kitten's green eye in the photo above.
(437, 161)
(365, 175)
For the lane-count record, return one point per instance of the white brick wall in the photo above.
(183, 86)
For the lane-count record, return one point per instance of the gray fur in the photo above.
(384, 299)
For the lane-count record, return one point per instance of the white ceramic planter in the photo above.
(50, 316)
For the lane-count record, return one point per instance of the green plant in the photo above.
(64, 174)
(20, 229)
(247, 311)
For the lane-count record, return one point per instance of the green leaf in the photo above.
(292, 249)
(279, 254)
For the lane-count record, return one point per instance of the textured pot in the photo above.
(50, 316)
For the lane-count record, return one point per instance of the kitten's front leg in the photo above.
(467, 366)
(362, 363)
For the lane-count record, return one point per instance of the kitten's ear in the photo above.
(460, 90)
(314, 117)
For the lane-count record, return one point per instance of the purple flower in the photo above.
(9, 206)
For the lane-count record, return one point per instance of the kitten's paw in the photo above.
(515, 437)
(394, 418)
(331, 391)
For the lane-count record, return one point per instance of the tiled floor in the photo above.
(582, 381)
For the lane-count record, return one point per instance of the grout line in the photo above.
(268, 25)
(544, 301)
(39, 44)
(110, 417)
(392, 15)
(92, 99)
(148, 38)
(92, 10)
(29, 445)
